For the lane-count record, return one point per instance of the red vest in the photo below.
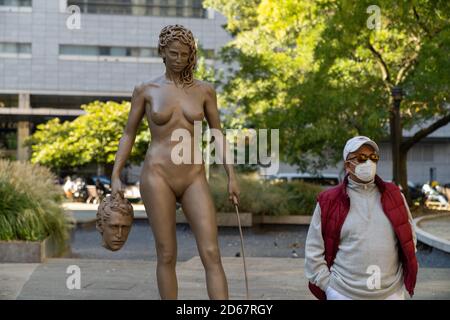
(335, 204)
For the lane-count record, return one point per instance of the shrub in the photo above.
(30, 204)
(264, 198)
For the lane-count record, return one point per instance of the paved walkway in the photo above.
(440, 227)
(270, 278)
(434, 230)
(12, 278)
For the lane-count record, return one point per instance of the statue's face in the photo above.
(176, 55)
(116, 230)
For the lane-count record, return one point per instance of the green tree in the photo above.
(321, 73)
(205, 69)
(273, 49)
(409, 50)
(91, 138)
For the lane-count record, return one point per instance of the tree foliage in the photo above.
(91, 138)
(320, 73)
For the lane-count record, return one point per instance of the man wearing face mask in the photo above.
(361, 243)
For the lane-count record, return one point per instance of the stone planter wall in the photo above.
(296, 220)
(28, 251)
(225, 219)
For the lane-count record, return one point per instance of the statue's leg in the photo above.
(160, 205)
(199, 209)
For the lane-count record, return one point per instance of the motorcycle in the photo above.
(79, 190)
(434, 197)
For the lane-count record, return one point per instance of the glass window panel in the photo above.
(105, 51)
(428, 153)
(148, 52)
(24, 48)
(102, 51)
(15, 3)
(79, 50)
(145, 53)
(9, 100)
(118, 52)
(172, 8)
(134, 52)
(7, 47)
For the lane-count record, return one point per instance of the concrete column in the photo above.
(23, 129)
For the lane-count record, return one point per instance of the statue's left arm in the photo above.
(213, 118)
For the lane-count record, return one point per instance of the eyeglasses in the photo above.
(364, 157)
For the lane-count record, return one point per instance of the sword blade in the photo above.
(243, 252)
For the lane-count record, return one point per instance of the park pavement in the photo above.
(269, 278)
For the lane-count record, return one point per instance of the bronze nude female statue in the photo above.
(170, 102)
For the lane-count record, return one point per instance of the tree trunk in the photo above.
(394, 150)
(403, 175)
(399, 154)
(396, 139)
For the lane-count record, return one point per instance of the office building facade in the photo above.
(56, 55)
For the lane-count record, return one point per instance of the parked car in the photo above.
(131, 192)
(103, 180)
(415, 190)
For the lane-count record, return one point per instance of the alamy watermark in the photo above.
(73, 22)
(73, 281)
(235, 148)
(374, 280)
(374, 20)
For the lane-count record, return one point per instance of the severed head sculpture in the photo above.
(114, 220)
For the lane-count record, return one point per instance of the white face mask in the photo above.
(366, 171)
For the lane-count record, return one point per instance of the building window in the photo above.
(76, 50)
(70, 50)
(421, 153)
(15, 3)
(79, 50)
(428, 153)
(385, 152)
(69, 102)
(15, 49)
(165, 8)
(9, 100)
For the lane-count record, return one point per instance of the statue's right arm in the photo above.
(129, 133)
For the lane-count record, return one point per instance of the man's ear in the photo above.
(346, 165)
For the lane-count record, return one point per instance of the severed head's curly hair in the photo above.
(178, 32)
(112, 204)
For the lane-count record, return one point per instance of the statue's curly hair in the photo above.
(111, 204)
(178, 32)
